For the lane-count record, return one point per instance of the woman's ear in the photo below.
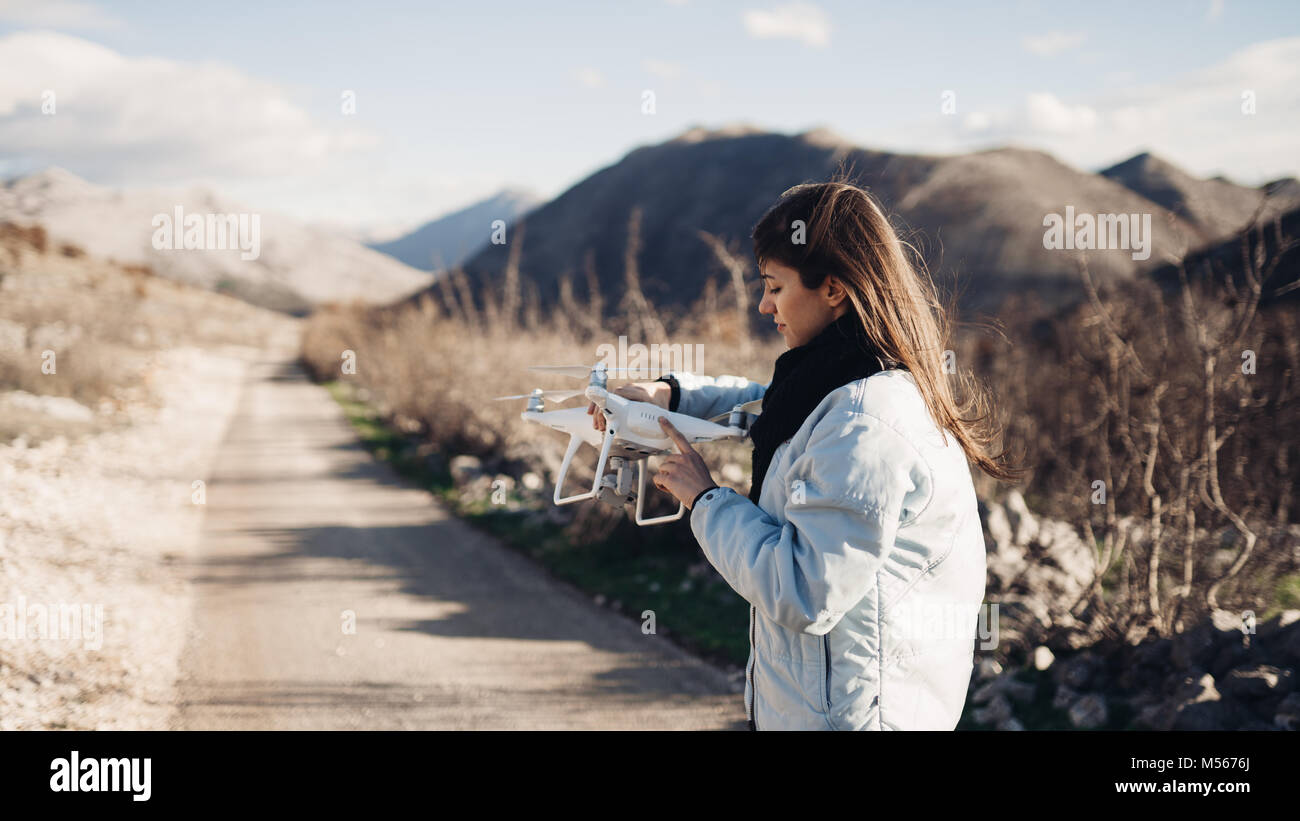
(835, 293)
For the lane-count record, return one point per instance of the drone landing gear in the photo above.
(616, 490)
(640, 499)
(612, 490)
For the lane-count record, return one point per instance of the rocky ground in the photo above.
(96, 522)
(1211, 675)
(98, 463)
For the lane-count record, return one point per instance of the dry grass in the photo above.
(433, 368)
(84, 329)
(1184, 408)
(1075, 411)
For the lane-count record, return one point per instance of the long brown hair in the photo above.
(845, 233)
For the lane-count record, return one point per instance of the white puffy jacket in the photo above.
(864, 561)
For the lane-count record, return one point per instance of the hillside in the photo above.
(290, 267)
(1215, 206)
(99, 456)
(1224, 261)
(451, 239)
(978, 218)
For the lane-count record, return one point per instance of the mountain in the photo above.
(283, 264)
(1286, 189)
(449, 240)
(1225, 261)
(1215, 206)
(977, 218)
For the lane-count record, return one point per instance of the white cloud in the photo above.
(64, 14)
(1052, 43)
(976, 121)
(144, 119)
(1194, 120)
(1215, 11)
(1044, 113)
(662, 68)
(800, 21)
(1039, 115)
(589, 77)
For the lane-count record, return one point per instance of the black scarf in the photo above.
(840, 354)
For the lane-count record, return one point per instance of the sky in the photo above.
(451, 102)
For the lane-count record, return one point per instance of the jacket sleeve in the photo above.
(857, 476)
(707, 396)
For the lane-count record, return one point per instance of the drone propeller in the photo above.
(753, 407)
(553, 396)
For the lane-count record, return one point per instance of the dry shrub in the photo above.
(101, 322)
(1138, 388)
(434, 365)
(1182, 405)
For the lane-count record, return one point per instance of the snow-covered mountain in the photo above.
(195, 236)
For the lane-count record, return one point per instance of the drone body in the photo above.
(632, 435)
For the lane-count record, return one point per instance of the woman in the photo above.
(859, 547)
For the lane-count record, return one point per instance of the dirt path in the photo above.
(453, 630)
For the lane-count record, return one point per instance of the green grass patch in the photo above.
(1286, 596)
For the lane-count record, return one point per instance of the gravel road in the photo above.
(306, 535)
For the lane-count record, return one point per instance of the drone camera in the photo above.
(616, 488)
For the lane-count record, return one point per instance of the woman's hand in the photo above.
(683, 474)
(658, 393)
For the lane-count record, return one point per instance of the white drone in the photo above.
(632, 434)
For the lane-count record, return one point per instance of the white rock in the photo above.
(1022, 520)
(56, 407)
(987, 668)
(998, 526)
(1088, 712)
(1043, 658)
